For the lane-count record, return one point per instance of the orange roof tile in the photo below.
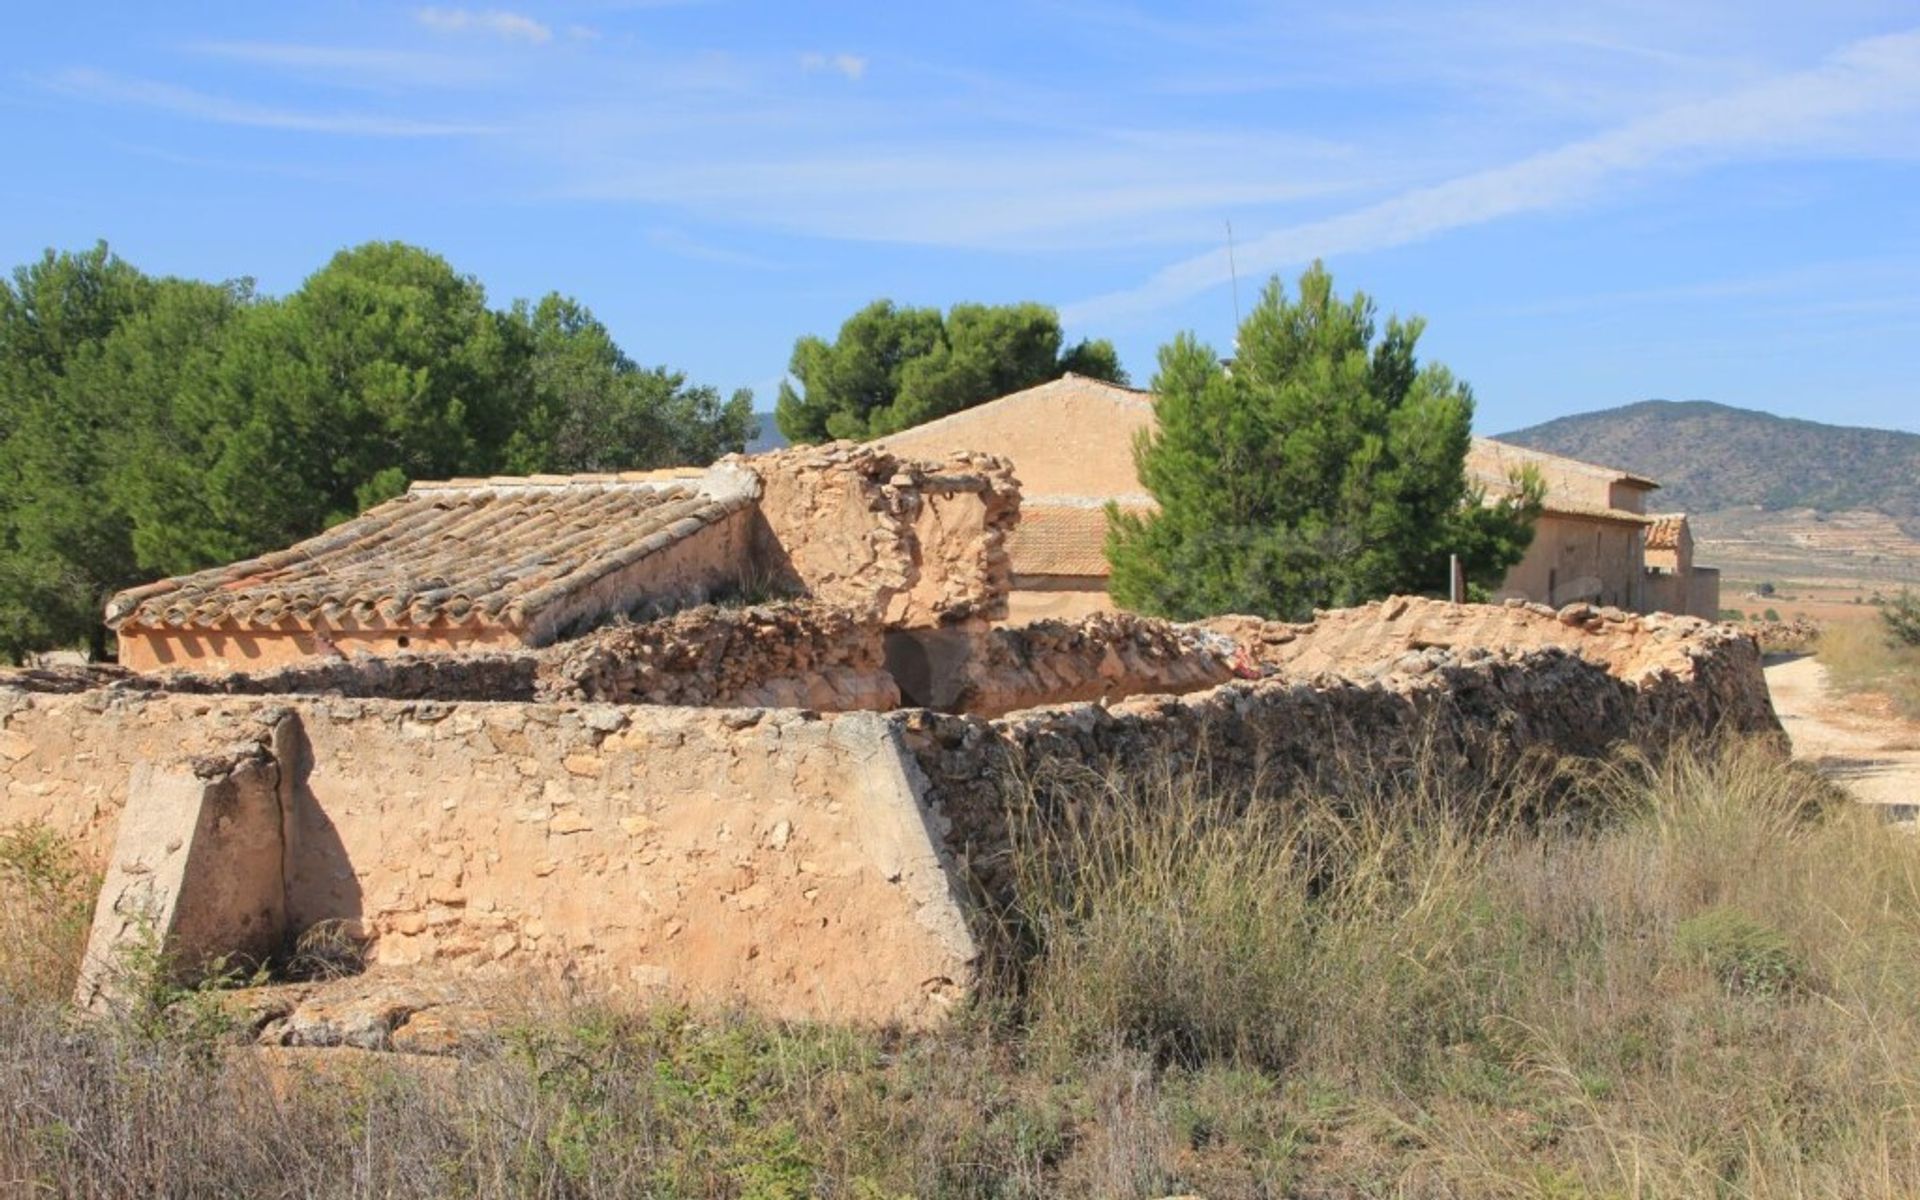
(489, 552)
(1664, 533)
(1062, 539)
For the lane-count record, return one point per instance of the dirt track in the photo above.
(1874, 755)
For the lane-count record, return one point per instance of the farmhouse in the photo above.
(516, 562)
(1071, 445)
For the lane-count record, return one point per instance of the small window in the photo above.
(405, 641)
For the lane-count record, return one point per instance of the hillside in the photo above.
(1712, 457)
(769, 437)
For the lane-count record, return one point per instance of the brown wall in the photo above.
(1578, 558)
(1056, 598)
(1703, 593)
(707, 855)
(906, 542)
(1073, 437)
(808, 866)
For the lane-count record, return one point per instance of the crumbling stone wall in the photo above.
(806, 865)
(1103, 656)
(495, 675)
(790, 654)
(1470, 687)
(796, 655)
(1374, 639)
(894, 540)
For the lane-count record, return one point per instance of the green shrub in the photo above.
(1744, 954)
(1901, 616)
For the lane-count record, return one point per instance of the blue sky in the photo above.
(1591, 204)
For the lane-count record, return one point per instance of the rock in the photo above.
(1576, 613)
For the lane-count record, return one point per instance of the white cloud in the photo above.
(685, 245)
(853, 66)
(353, 64)
(166, 97)
(1041, 195)
(510, 25)
(1829, 108)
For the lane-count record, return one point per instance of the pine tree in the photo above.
(1324, 466)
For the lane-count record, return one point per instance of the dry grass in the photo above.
(1860, 656)
(1705, 986)
(46, 904)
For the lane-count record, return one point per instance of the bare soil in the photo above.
(1856, 740)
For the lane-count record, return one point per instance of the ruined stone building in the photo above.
(516, 562)
(1071, 445)
(1595, 541)
(1674, 582)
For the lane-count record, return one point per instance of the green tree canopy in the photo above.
(1325, 467)
(893, 368)
(63, 545)
(157, 426)
(591, 408)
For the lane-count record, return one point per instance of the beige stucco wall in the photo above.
(66, 760)
(1703, 593)
(1491, 463)
(716, 856)
(1056, 598)
(1578, 558)
(690, 570)
(1070, 438)
(808, 866)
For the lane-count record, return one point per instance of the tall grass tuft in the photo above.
(1863, 656)
(46, 906)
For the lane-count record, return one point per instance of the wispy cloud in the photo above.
(685, 245)
(853, 66)
(1036, 195)
(1809, 111)
(354, 65)
(511, 25)
(186, 102)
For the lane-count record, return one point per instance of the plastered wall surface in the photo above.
(1578, 558)
(709, 855)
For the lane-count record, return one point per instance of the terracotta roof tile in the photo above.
(1489, 459)
(1061, 539)
(1664, 533)
(486, 552)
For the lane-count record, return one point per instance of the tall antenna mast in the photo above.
(1234, 273)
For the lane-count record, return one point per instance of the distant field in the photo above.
(1823, 559)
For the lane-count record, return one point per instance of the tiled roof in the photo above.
(1490, 460)
(491, 552)
(1664, 533)
(1561, 507)
(1062, 539)
(1067, 385)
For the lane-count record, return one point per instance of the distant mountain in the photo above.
(769, 437)
(1712, 457)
